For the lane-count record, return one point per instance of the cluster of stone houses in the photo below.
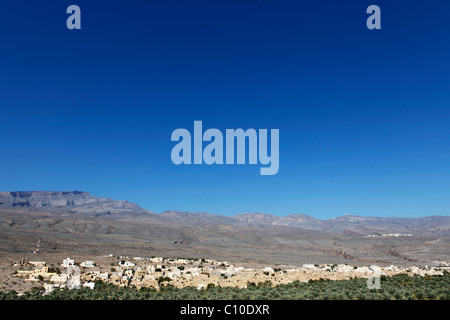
(154, 272)
(52, 277)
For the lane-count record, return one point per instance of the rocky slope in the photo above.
(356, 225)
(349, 224)
(76, 202)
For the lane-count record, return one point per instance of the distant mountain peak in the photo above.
(27, 194)
(76, 202)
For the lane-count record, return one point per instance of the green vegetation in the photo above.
(400, 287)
(162, 279)
(54, 270)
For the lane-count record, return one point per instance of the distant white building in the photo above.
(68, 263)
(88, 264)
(182, 261)
(268, 269)
(90, 285)
(126, 264)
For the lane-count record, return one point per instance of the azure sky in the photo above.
(363, 115)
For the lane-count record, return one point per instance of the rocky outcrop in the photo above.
(77, 202)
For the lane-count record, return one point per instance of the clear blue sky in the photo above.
(364, 115)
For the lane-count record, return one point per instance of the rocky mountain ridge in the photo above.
(76, 202)
(79, 202)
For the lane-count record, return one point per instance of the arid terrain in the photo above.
(76, 223)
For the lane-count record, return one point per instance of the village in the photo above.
(155, 272)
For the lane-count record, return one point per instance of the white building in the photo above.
(68, 263)
(126, 264)
(182, 261)
(90, 285)
(88, 264)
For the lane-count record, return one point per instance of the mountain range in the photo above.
(82, 203)
(91, 223)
